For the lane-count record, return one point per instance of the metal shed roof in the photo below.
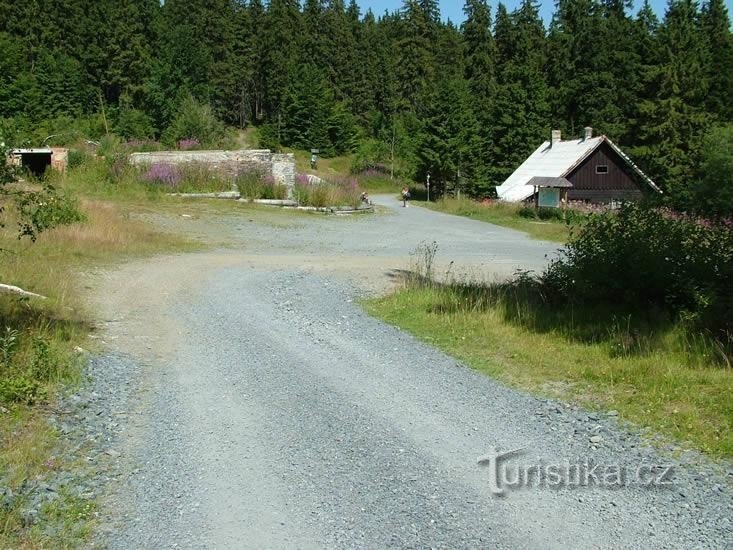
(37, 150)
(539, 181)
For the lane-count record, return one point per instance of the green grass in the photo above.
(653, 375)
(502, 214)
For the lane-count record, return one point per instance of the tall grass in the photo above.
(38, 337)
(334, 192)
(255, 184)
(646, 364)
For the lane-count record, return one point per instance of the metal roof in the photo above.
(37, 150)
(557, 161)
(541, 181)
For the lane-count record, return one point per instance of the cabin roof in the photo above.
(558, 160)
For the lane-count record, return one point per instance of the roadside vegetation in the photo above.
(636, 318)
(550, 224)
(41, 338)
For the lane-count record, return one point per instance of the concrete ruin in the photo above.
(38, 160)
(280, 166)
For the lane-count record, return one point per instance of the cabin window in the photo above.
(602, 169)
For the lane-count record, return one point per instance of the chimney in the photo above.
(588, 133)
(555, 137)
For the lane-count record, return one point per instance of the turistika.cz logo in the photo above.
(505, 477)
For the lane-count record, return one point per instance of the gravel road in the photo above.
(265, 409)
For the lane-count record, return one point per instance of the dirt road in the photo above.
(265, 409)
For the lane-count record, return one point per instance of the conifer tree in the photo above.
(520, 109)
(674, 122)
(719, 69)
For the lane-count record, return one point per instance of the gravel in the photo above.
(281, 415)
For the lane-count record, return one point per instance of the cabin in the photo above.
(589, 169)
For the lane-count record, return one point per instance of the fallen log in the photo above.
(10, 289)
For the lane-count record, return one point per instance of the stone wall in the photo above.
(280, 166)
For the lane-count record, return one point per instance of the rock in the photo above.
(29, 517)
(596, 439)
(612, 413)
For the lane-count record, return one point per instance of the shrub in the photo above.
(188, 144)
(142, 146)
(163, 174)
(78, 157)
(19, 389)
(194, 121)
(327, 193)
(645, 258)
(40, 211)
(134, 124)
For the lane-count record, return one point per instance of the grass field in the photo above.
(505, 215)
(665, 383)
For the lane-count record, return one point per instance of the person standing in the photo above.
(405, 196)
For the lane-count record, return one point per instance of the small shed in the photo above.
(37, 160)
(549, 192)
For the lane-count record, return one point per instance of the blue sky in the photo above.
(453, 10)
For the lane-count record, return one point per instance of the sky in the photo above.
(453, 10)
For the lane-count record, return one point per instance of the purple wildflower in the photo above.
(165, 174)
(188, 144)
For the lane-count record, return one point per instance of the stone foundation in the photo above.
(280, 166)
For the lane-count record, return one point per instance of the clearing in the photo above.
(252, 402)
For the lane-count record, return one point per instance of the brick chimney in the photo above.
(588, 132)
(555, 137)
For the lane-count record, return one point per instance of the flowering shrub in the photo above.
(163, 174)
(644, 258)
(188, 144)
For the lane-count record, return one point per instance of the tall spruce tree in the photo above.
(674, 122)
(719, 69)
(520, 109)
(480, 61)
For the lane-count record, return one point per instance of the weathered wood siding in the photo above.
(616, 184)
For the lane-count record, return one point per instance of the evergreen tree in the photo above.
(415, 60)
(673, 124)
(520, 109)
(719, 69)
(282, 55)
(480, 61)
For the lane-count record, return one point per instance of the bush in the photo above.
(186, 178)
(19, 389)
(26, 363)
(327, 193)
(255, 185)
(134, 124)
(713, 195)
(643, 259)
(163, 174)
(194, 121)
